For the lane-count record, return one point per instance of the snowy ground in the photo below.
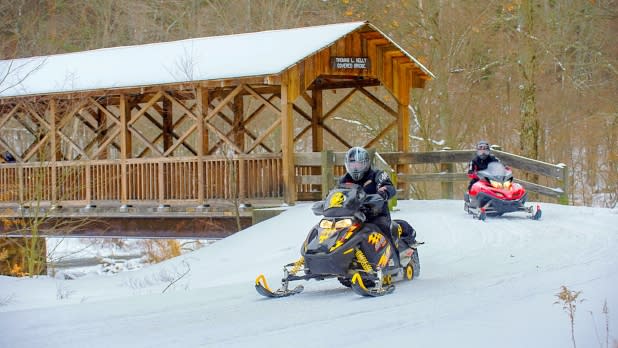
(483, 284)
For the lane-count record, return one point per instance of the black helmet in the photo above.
(357, 162)
(482, 149)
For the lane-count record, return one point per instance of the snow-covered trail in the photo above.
(482, 284)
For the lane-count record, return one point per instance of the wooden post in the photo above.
(317, 132)
(564, 197)
(161, 179)
(287, 146)
(168, 124)
(403, 128)
(88, 183)
(102, 132)
(403, 144)
(242, 187)
(125, 147)
(238, 130)
(201, 96)
(54, 148)
(20, 178)
(328, 165)
(317, 138)
(446, 186)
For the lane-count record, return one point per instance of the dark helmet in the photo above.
(357, 162)
(482, 149)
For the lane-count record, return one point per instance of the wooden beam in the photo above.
(167, 124)
(146, 142)
(379, 103)
(224, 102)
(8, 116)
(317, 132)
(250, 134)
(125, 147)
(237, 125)
(180, 140)
(264, 135)
(54, 149)
(403, 128)
(348, 83)
(260, 108)
(109, 115)
(336, 136)
(381, 134)
(287, 145)
(223, 137)
(201, 99)
(261, 99)
(339, 104)
(148, 105)
(32, 150)
(103, 145)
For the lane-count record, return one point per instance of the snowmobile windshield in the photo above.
(344, 201)
(496, 171)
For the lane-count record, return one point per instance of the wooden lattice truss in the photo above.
(178, 122)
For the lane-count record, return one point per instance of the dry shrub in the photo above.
(158, 250)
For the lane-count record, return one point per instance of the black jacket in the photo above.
(371, 182)
(478, 163)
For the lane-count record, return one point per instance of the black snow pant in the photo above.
(472, 183)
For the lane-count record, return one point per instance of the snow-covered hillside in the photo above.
(483, 284)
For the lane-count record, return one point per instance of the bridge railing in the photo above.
(182, 181)
(142, 181)
(448, 168)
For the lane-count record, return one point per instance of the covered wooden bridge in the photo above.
(197, 121)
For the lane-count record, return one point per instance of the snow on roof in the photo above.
(207, 58)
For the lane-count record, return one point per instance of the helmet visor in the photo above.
(482, 150)
(357, 166)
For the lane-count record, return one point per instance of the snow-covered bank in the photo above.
(483, 284)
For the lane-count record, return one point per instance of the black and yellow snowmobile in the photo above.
(343, 246)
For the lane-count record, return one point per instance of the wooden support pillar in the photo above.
(168, 124)
(403, 127)
(317, 132)
(403, 142)
(201, 96)
(238, 128)
(447, 186)
(101, 133)
(54, 149)
(125, 147)
(287, 146)
(328, 175)
(317, 139)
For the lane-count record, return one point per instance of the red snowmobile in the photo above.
(495, 194)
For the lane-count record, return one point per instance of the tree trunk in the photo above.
(529, 123)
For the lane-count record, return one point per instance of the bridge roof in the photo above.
(199, 59)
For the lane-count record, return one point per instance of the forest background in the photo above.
(537, 77)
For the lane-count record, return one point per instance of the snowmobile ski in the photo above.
(537, 213)
(261, 286)
(359, 287)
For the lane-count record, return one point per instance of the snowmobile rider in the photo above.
(480, 161)
(359, 171)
